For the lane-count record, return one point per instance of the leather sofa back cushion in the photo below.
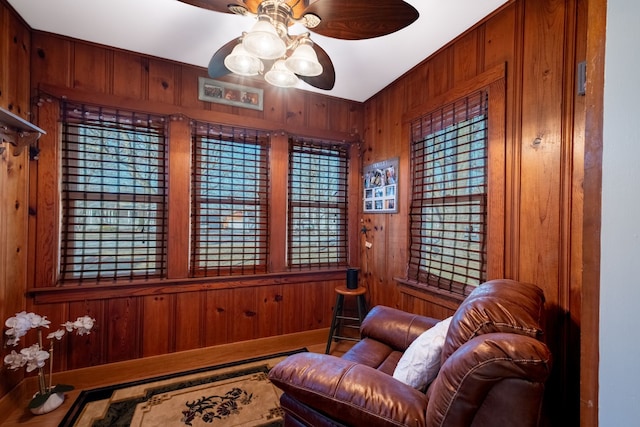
(496, 306)
(396, 328)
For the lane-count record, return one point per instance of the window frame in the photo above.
(205, 133)
(444, 165)
(500, 257)
(339, 203)
(46, 225)
(125, 129)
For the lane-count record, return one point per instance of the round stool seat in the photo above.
(343, 290)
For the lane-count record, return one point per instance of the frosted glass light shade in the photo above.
(264, 42)
(279, 75)
(240, 62)
(304, 61)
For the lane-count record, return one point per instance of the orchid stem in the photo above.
(50, 364)
(42, 384)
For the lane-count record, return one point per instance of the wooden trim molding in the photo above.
(461, 89)
(494, 82)
(69, 293)
(590, 310)
(156, 107)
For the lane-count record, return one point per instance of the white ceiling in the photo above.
(180, 32)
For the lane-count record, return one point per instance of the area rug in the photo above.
(234, 394)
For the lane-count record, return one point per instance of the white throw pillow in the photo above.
(420, 364)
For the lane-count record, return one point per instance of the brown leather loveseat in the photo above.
(493, 368)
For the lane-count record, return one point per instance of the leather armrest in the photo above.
(467, 377)
(351, 393)
(396, 328)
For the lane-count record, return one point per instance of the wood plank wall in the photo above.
(151, 318)
(15, 48)
(541, 43)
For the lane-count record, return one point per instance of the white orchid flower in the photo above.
(33, 319)
(83, 325)
(35, 357)
(15, 360)
(38, 321)
(18, 325)
(38, 362)
(57, 334)
(68, 326)
(13, 341)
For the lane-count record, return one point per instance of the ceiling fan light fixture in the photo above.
(339, 19)
(304, 61)
(241, 62)
(280, 75)
(264, 41)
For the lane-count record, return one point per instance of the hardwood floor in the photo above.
(13, 407)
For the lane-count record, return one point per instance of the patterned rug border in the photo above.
(100, 393)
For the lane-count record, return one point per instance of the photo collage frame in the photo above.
(380, 186)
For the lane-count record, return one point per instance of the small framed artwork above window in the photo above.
(380, 186)
(230, 94)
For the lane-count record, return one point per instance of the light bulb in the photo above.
(240, 62)
(263, 41)
(279, 75)
(304, 61)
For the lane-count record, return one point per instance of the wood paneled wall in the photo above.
(15, 45)
(541, 43)
(147, 318)
(151, 318)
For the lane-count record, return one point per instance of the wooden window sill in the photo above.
(429, 293)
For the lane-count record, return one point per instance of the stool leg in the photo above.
(336, 309)
(362, 309)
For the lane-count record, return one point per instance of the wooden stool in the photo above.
(338, 315)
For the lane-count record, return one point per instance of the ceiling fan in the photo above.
(283, 59)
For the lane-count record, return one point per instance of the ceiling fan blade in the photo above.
(327, 79)
(216, 64)
(215, 5)
(361, 19)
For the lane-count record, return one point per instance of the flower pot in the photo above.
(52, 402)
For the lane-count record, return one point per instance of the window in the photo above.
(317, 204)
(113, 194)
(449, 200)
(230, 200)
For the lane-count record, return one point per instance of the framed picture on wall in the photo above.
(380, 186)
(230, 94)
